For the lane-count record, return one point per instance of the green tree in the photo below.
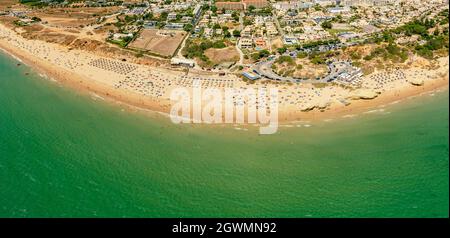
(188, 27)
(36, 19)
(226, 34)
(163, 16)
(264, 53)
(326, 25)
(235, 16)
(282, 50)
(148, 16)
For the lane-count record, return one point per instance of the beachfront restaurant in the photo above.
(251, 76)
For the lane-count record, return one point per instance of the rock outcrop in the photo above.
(416, 81)
(363, 94)
(323, 105)
(307, 107)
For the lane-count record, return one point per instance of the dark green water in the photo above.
(63, 154)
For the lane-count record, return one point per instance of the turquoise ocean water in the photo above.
(64, 154)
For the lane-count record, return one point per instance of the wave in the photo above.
(349, 116)
(96, 96)
(12, 56)
(374, 111)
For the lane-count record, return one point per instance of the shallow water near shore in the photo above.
(64, 154)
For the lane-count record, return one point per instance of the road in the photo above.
(241, 21)
(277, 24)
(241, 54)
(241, 27)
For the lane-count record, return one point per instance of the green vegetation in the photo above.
(355, 55)
(123, 42)
(389, 52)
(321, 57)
(196, 50)
(36, 19)
(326, 25)
(130, 18)
(251, 8)
(317, 59)
(267, 11)
(285, 59)
(213, 9)
(20, 23)
(318, 43)
(139, 54)
(247, 21)
(235, 16)
(282, 50)
(35, 3)
(425, 47)
(163, 16)
(226, 34)
(259, 55)
(433, 44)
(188, 27)
(236, 33)
(317, 7)
(302, 55)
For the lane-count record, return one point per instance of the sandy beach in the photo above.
(150, 87)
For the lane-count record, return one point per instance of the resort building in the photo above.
(271, 30)
(208, 32)
(290, 40)
(118, 36)
(259, 42)
(247, 32)
(172, 16)
(251, 76)
(246, 43)
(339, 10)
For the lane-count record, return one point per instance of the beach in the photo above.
(149, 87)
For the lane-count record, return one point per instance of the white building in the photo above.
(182, 62)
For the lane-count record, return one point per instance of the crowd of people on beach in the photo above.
(381, 81)
(113, 65)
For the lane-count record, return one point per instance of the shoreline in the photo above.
(135, 101)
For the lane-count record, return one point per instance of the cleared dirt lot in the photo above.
(161, 42)
(218, 56)
(73, 17)
(5, 4)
